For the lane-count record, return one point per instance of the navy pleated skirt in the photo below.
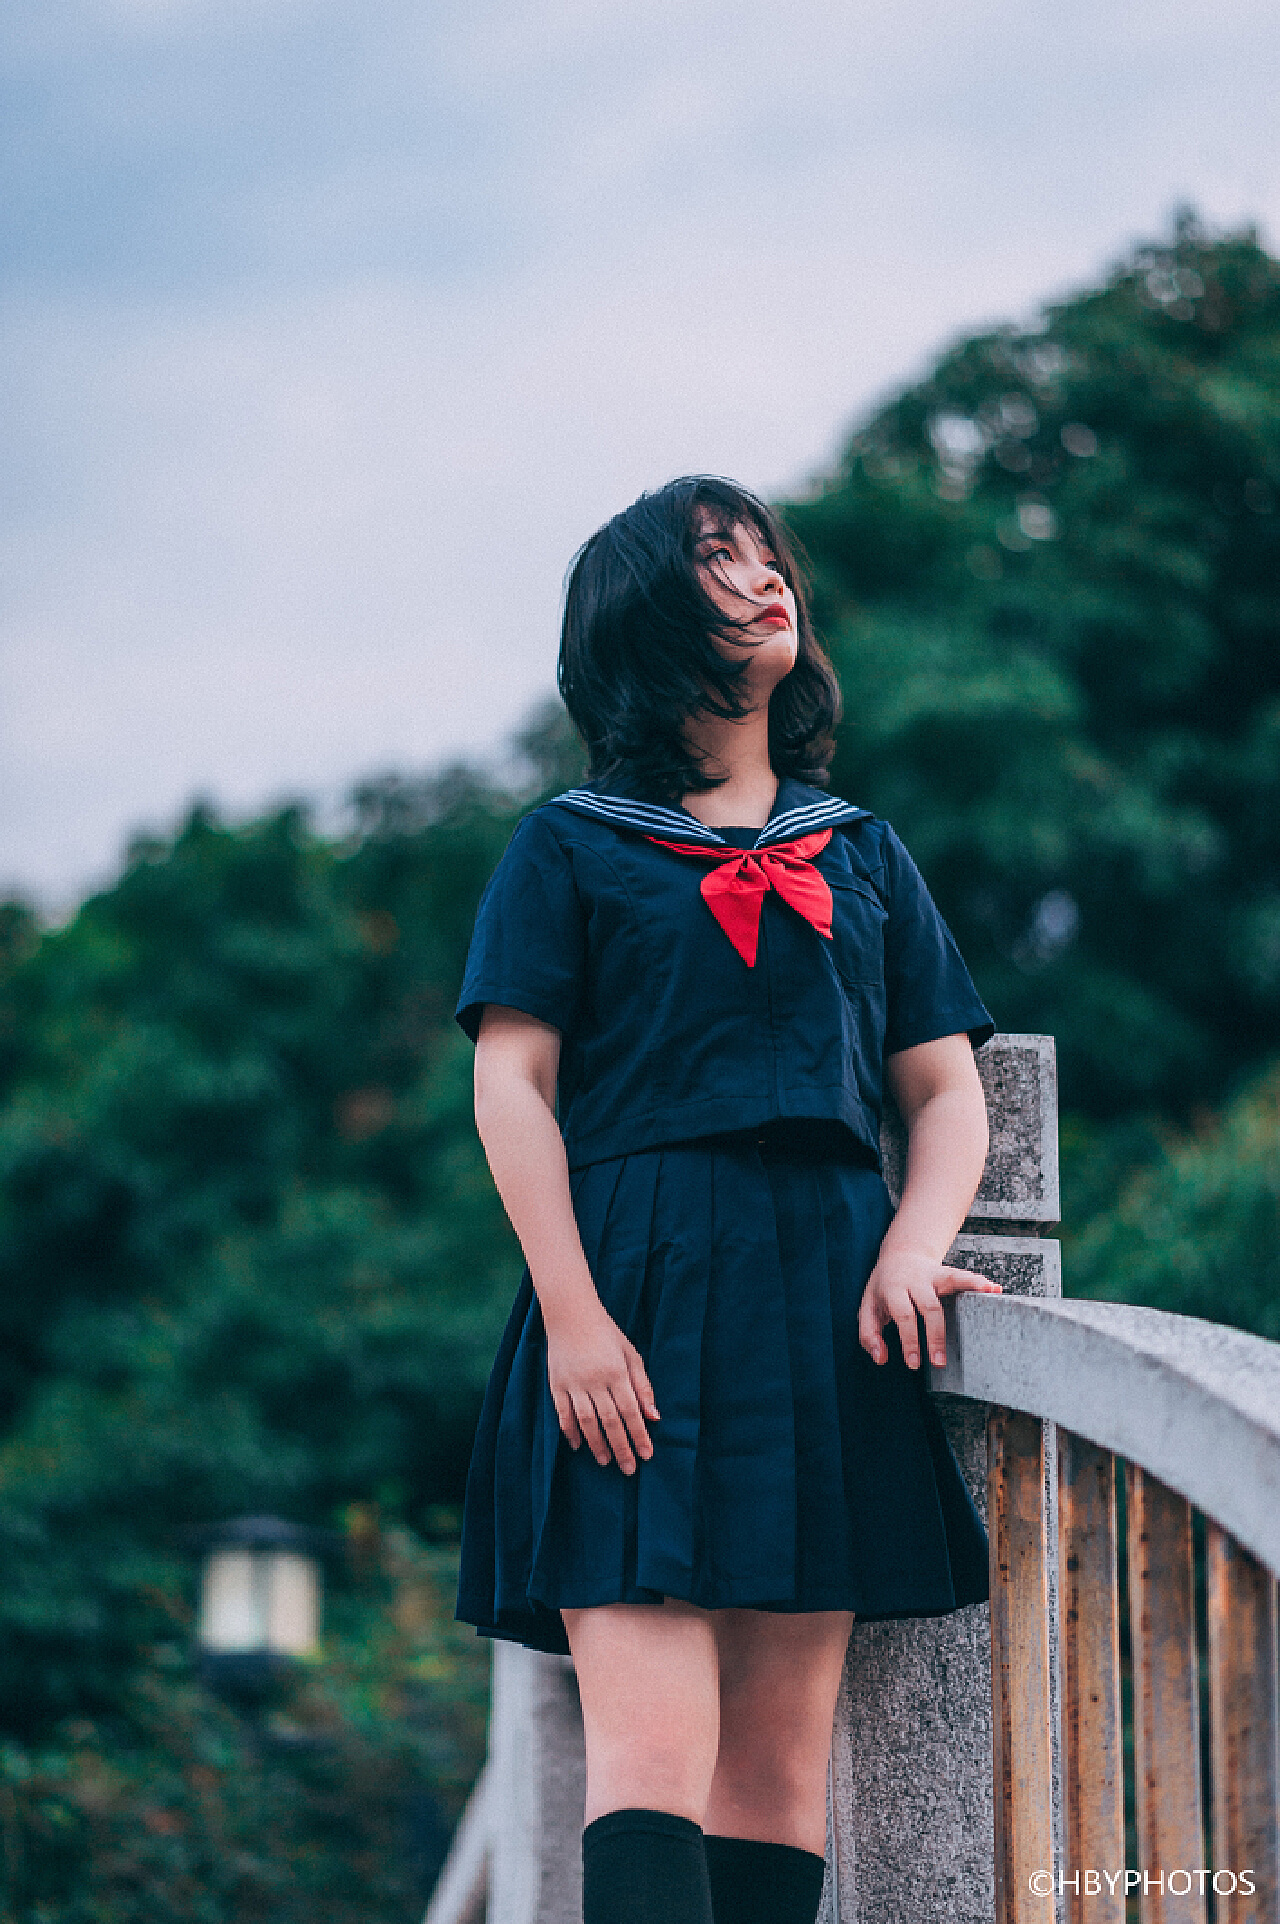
(789, 1471)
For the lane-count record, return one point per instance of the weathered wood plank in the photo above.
(1242, 1731)
(1166, 1711)
(1022, 1742)
(1093, 1737)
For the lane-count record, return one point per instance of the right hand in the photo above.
(601, 1389)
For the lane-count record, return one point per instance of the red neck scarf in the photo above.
(742, 877)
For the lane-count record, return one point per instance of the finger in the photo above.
(616, 1431)
(908, 1335)
(869, 1325)
(629, 1410)
(640, 1383)
(950, 1282)
(568, 1421)
(935, 1329)
(585, 1411)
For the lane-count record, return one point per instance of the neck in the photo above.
(738, 752)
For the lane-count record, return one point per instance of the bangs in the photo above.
(722, 507)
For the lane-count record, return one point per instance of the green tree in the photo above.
(174, 1810)
(1197, 1230)
(251, 1258)
(1050, 573)
(250, 1254)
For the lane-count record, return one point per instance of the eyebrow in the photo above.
(733, 535)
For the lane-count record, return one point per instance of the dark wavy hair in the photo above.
(638, 655)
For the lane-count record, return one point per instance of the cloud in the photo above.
(331, 333)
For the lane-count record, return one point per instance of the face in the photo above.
(742, 577)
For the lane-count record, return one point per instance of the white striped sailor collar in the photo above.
(797, 810)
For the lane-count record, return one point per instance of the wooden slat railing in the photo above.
(1192, 1410)
(1242, 1713)
(1021, 1723)
(1166, 1696)
(1093, 1734)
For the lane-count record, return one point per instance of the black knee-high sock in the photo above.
(644, 1867)
(756, 1883)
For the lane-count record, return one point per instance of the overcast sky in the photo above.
(328, 330)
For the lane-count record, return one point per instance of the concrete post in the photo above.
(539, 1783)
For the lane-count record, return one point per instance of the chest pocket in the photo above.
(858, 919)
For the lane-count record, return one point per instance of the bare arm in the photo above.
(598, 1379)
(937, 1090)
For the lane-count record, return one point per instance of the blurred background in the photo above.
(328, 333)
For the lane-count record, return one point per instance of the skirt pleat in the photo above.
(789, 1472)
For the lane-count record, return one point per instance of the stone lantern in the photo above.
(261, 1590)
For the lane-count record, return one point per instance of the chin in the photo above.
(782, 651)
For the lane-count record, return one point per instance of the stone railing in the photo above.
(921, 1825)
(1193, 1411)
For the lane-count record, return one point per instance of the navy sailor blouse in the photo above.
(667, 1033)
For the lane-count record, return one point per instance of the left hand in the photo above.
(907, 1283)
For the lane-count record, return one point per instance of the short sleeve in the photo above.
(929, 992)
(528, 948)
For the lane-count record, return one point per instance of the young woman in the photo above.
(706, 1443)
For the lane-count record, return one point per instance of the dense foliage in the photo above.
(1197, 1229)
(250, 1260)
(250, 1255)
(1051, 576)
(178, 1810)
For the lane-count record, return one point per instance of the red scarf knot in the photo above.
(735, 889)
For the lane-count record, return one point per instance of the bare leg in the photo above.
(779, 1676)
(648, 1676)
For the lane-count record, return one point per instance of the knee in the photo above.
(653, 1773)
(779, 1779)
(652, 1757)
